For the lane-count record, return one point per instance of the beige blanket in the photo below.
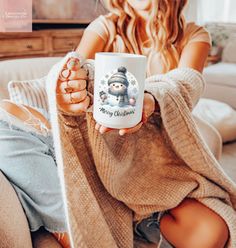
(110, 180)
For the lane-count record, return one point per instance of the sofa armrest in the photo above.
(14, 229)
(23, 69)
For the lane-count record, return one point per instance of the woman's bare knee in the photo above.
(191, 224)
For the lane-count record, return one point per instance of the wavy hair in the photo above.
(164, 28)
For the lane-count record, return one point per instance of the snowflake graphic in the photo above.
(133, 82)
(107, 76)
(103, 82)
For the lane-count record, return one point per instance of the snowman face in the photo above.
(118, 87)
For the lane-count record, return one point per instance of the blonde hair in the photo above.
(165, 28)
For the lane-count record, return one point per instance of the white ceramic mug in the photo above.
(118, 89)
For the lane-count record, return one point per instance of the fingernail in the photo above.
(122, 133)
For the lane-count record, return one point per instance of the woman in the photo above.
(155, 28)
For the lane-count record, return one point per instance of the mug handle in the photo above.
(89, 66)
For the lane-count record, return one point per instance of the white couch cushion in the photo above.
(31, 93)
(221, 82)
(222, 74)
(219, 115)
(23, 69)
(229, 52)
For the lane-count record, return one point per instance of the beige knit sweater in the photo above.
(110, 180)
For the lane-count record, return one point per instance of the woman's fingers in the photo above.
(79, 74)
(76, 108)
(67, 74)
(130, 130)
(97, 126)
(144, 117)
(72, 85)
(148, 109)
(73, 97)
(102, 129)
(148, 105)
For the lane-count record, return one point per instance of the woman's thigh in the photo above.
(192, 224)
(25, 156)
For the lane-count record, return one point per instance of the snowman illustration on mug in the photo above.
(119, 89)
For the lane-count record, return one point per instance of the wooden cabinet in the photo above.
(55, 42)
(64, 44)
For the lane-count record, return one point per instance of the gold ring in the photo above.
(64, 77)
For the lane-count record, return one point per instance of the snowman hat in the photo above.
(119, 77)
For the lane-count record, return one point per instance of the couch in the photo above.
(221, 82)
(221, 85)
(13, 224)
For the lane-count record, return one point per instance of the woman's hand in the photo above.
(148, 109)
(71, 90)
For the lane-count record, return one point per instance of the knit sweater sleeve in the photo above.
(177, 92)
(182, 84)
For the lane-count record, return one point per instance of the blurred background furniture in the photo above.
(221, 82)
(57, 28)
(49, 42)
(220, 74)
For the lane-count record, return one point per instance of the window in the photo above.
(203, 11)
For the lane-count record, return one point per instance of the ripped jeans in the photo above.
(149, 230)
(27, 159)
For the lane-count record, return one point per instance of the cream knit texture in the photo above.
(110, 180)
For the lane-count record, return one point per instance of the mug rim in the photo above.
(125, 55)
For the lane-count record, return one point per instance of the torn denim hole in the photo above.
(145, 229)
(32, 124)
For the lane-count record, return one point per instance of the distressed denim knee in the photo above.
(28, 161)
